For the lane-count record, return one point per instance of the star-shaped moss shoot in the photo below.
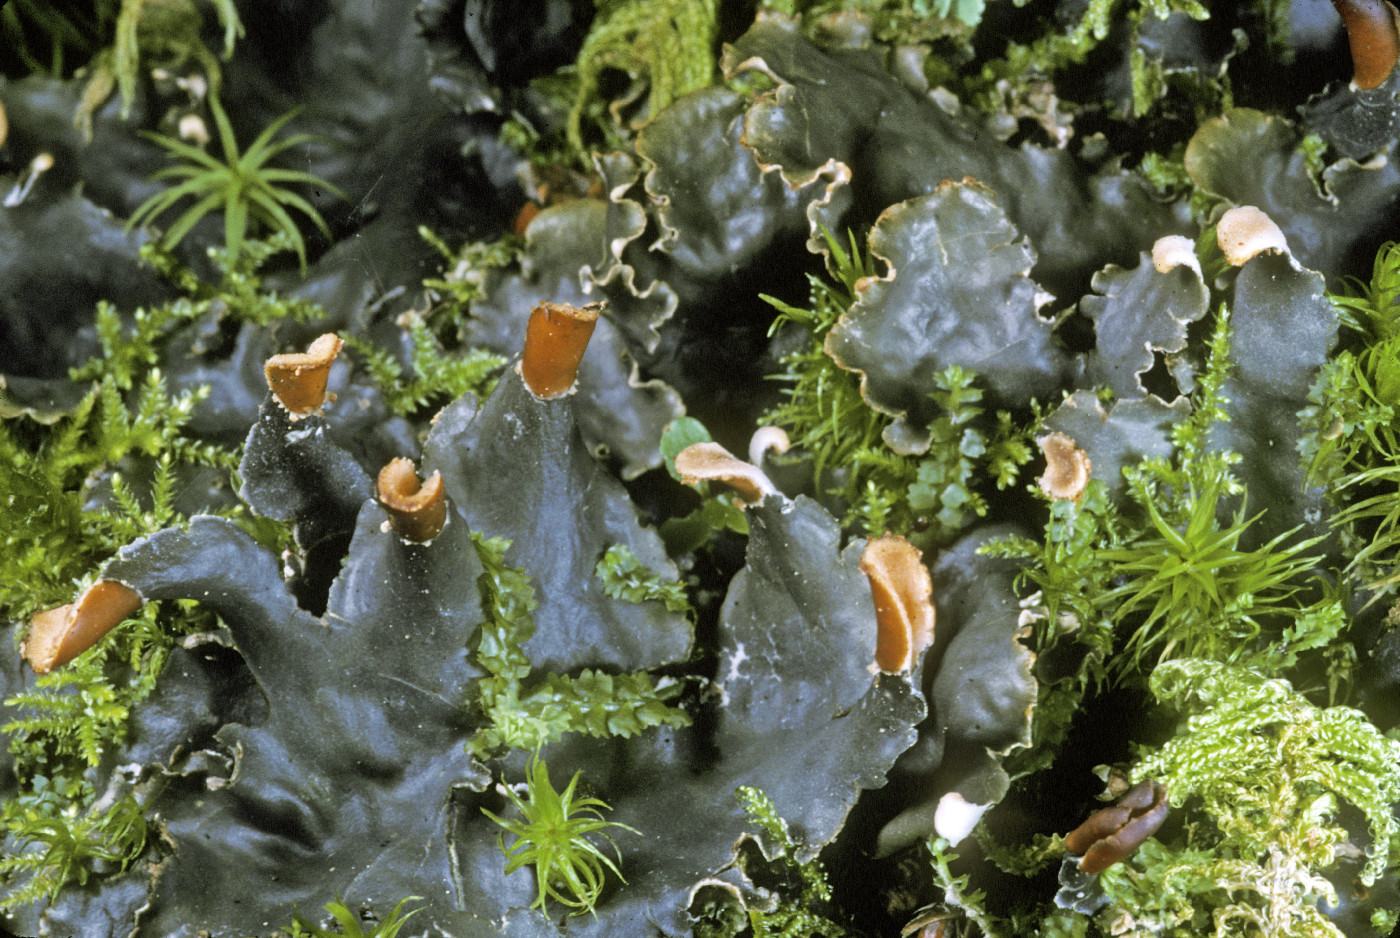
(552, 835)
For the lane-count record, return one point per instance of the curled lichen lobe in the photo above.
(1172, 251)
(555, 339)
(417, 512)
(1245, 231)
(767, 440)
(902, 590)
(298, 379)
(710, 462)
(57, 636)
(1067, 467)
(1373, 32)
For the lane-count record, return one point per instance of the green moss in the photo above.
(552, 835)
(666, 47)
(438, 376)
(77, 489)
(249, 192)
(1190, 590)
(66, 847)
(957, 889)
(115, 41)
(1264, 776)
(829, 423)
(1066, 614)
(439, 369)
(467, 270)
(1172, 578)
(624, 577)
(804, 900)
(1352, 446)
(1164, 891)
(526, 714)
(1271, 768)
(1166, 577)
(945, 492)
(1276, 19)
(1057, 49)
(351, 925)
(238, 295)
(822, 410)
(166, 31)
(53, 536)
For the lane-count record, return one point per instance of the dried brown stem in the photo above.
(57, 636)
(555, 339)
(1373, 31)
(416, 512)
(298, 379)
(1112, 834)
